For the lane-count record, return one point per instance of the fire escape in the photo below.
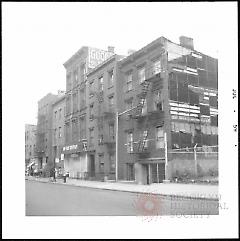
(41, 133)
(141, 148)
(105, 115)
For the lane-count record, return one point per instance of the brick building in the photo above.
(174, 90)
(30, 143)
(164, 93)
(58, 139)
(75, 151)
(44, 129)
(102, 94)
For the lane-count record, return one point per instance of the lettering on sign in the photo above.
(97, 56)
(69, 148)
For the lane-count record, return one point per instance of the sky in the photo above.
(39, 37)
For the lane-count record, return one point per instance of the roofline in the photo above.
(74, 56)
(101, 65)
(143, 49)
(59, 99)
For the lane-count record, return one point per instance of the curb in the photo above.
(138, 192)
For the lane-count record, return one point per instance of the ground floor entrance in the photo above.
(147, 173)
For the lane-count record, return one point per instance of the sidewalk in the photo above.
(194, 191)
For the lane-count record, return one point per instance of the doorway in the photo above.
(92, 165)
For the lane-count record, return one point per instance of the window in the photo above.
(129, 142)
(82, 98)
(83, 72)
(141, 75)
(74, 130)
(91, 89)
(55, 135)
(100, 139)
(55, 115)
(91, 136)
(144, 108)
(111, 132)
(112, 163)
(69, 84)
(157, 67)
(60, 113)
(101, 163)
(144, 139)
(129, 104)
(159, 138)
(129, 82)
(100, 80)
(91, 112)
(75, 102)
(75, 76)
(68, 132)
(83, 127)
(68, 105)
(110, 102)
(110, 78)
(157, 101)
(59, 132)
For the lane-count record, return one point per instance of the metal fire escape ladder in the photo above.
(141, 145)
(145, 87)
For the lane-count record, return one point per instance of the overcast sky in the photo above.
(39, 37)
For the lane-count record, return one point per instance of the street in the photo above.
(49, 199)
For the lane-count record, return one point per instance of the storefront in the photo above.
(75, 161)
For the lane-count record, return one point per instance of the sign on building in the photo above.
(97, 56)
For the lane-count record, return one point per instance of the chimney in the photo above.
(61, 93)
(111, 49)
(131, 51)
(186, 42)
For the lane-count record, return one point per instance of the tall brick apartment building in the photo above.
(174, 90)
(30, 143)
(76, 153)
(58, 119)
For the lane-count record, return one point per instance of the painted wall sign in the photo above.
(97, 56)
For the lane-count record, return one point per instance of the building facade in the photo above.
(58, 137)
(174, 90)
(125, 116)
(76, 152)
(101, 117)
(30, 143)
(45, 129)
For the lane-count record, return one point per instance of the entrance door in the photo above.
(158, 172)
(92, 165)
(130, 172)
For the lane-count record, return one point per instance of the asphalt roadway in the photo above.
(48, 199)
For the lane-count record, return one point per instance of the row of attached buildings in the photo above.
(112, 118)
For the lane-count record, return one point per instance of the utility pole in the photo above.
(166, 156)
(116, 164)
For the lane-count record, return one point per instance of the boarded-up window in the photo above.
(204, 110)
(213, 101)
